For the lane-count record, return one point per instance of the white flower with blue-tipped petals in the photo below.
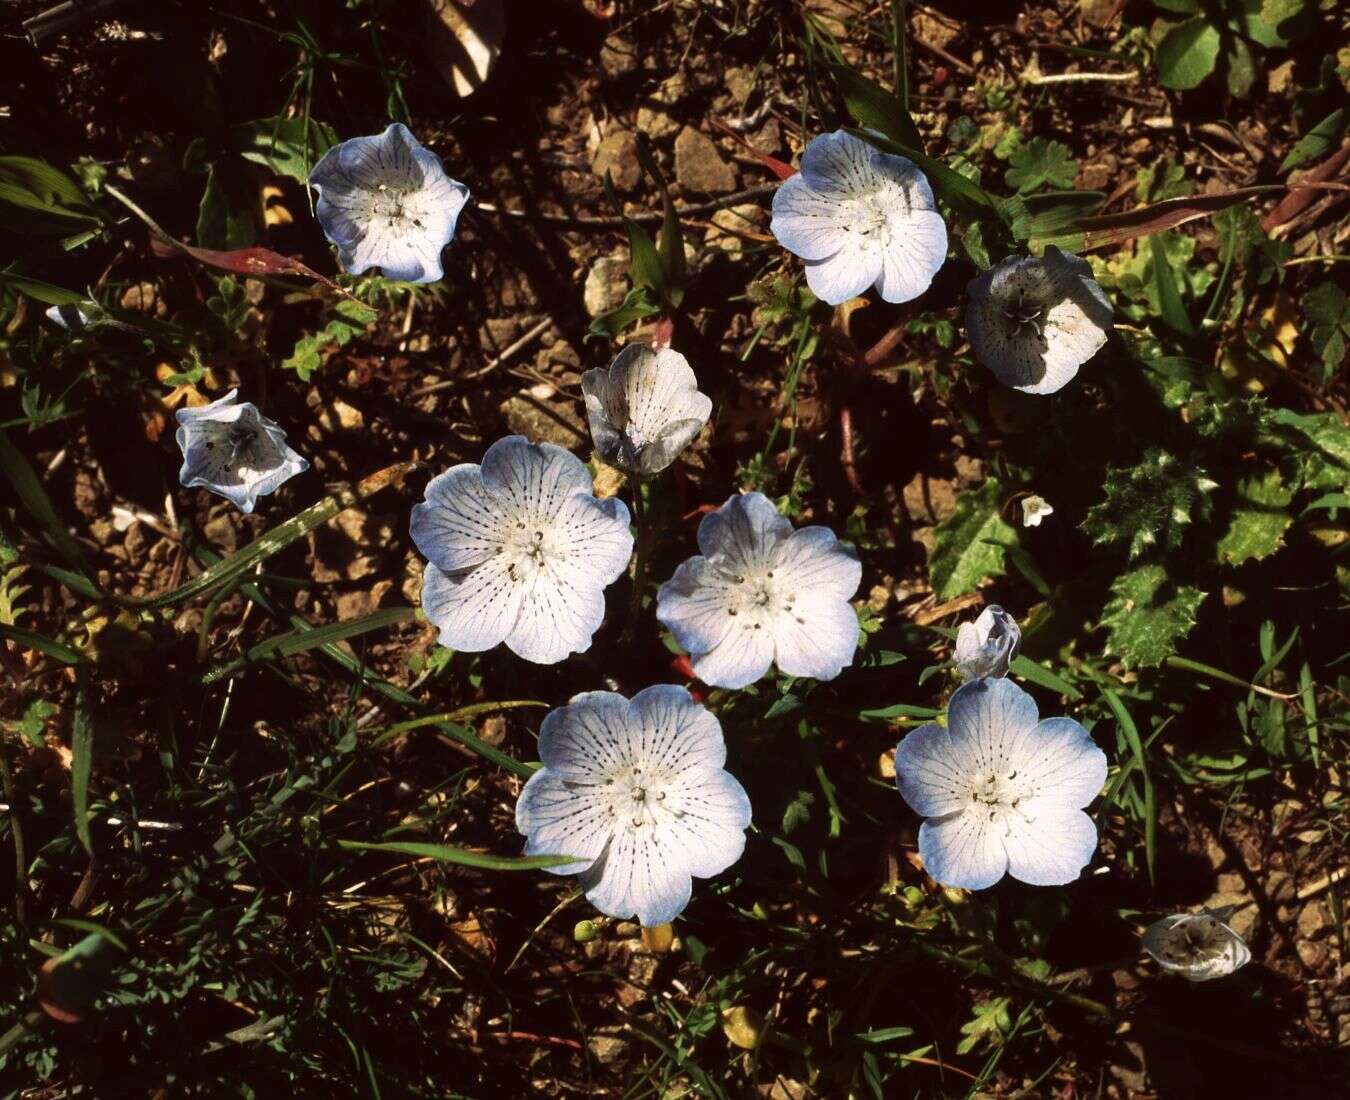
(1198, 946)
(762, 593)
(987, 646)
(1002, 791)
(520, 551)
(1034, 320)
(234, 451)
(637, 790)
(644, 409)
(386, 201)
(860, 217)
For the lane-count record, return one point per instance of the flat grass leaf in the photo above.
(1039, 163)
(1317, 142)
(1259, 520)
(1187, 54)
(1148, 616)
(876, 108)
(961, 555)
(466, 857)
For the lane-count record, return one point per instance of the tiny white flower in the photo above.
(644, 409)
(386, 202)
(1002, 792)
(859, 217)
(762, 593)
(1198, 946)
(1034, 321)
(234, 451)
(73, 317)
(1035, 509)
(987, 646)
(519, 551)
(638, 790)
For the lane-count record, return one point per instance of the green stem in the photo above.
(639, 560)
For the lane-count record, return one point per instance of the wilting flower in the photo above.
(987, 646)
(1198, 946)
(235, 451)
(762, 593)
(644, 409)
(636, 789)
(1001, 791)
(519, 551)
(1034, 321)
(860, 217)
(1035, 509)
(386, 202)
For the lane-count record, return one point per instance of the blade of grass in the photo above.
(300, 641)
(81, 765)
(1038, 674)
(57, 651)
(37, 503)
(1131, 734)
(465, 857)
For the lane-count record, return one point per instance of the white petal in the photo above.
(913, 254)
(932, 772)
(222, 408)
(745, 532)
(590, 543)
(1060, 763)
(846, 274)
(639, 876)
(817, 637)
(996, 717)
(742, 657)
(1198, 946)
(605, 412)
(962, 850)
(459, 525)
(556, 618)
(693, 604)
(987, 646)
(674, 732)
(807, 223)
(839, 163)
(562, 820)
(533, 480)
(589, 737)
(473, 611)
(812, 560)
(1051, 845)
(712, 812)
(659, 387)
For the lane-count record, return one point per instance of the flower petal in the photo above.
(693, 605)
(745, 532)
(813, 560)
(639, 875)
(807, 223)
(711, 812)
(473, 611)
(931, 770)
(659, 387)
(560, 819)
(675, 732)
(590, 543)
(847, 273)
(1051, 845)
(963, 850)
(742, 657)
(839, 164)
(1061, 763)
(459, 525)
(816, 637)
(556, 617)
(669, 444)
(589, 737)
(996, 717)
(532, 480)
(913, 255)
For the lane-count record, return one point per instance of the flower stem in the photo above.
(639, 560)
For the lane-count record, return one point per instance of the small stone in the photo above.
(740, 82)
(220, 532)
(606, 284)
(1312, 954)
(606, 1048)
(1280, 886)
(728, 226)
(1278, 78)
(543, 420)
(1312, 919)
(618, 58)
(617, 155)
(699, 165)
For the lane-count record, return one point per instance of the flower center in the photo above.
(635, 797)
(1023, 312)
(1001, 796)
(529, 547)
(871, 222)
(758, 596)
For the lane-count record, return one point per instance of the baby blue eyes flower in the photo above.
(637, 789)
(987, 646)
(519, 551)
(762, 593)
(860, 217)
(1001, 791)
(386, 202)
(234, 451)
(1198, 946)
(1034, 321)
(644, 409)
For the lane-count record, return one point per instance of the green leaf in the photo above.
(1039, 163)
(1327, 309)
(1170, 305)
(47, 293)
(465, 857)
(1178, 7)
(1148, 616)
(964, 548)
(351, 318)
(1240, 67)
(877, 109)
(299, 641)
(226, 219)
(1187, 54)
(1259, 521)
(81, 764)
(1273, 23)
(57, 651)
(637, 304)
(645, 268)
(285, 146)
(1317, 142)
(1149, 506)
(38, 504)
(1136, 746)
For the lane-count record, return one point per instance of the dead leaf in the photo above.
(466, 38)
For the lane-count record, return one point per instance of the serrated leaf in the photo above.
(1039, 163)
(351, 319)
(965, 549)
(1259, 520)
(1148, 616)
(1149, 506)
(1187, 54)
(1327, 310)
